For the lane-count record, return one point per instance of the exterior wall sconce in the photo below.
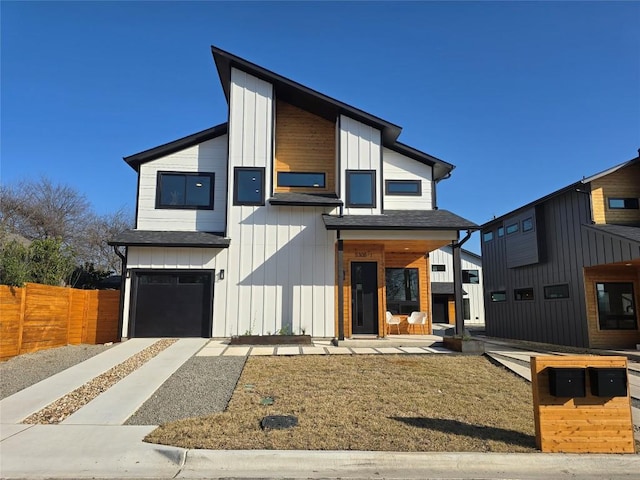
(221, 274)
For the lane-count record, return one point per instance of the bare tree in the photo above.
(41, 209)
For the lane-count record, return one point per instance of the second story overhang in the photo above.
(431, 220)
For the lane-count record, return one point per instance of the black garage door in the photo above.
(172, 304)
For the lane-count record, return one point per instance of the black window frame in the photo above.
(390, 183)
(487, 236)
(516, 230)
(502, 293)
(348, 202)
(236, 201)
(528, 220)
(613, 321)
(288, 185)
(435, 267)
(635, 203)
(529, 294)
(466, 277)
(404, 307)
(165, 173)
(556, 285)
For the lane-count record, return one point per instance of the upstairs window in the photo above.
(438, 267)
(470, 276)
(301, 179)
(412, 188)
(361, 188)
(527, 224)
(623, 203)
(500, 231)
(499, 296)
(487, 236)
(248, 186)
(512, 228)
(185, 190)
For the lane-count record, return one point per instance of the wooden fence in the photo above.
(36, 317)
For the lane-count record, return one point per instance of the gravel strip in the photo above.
(201, 386)
(57, 411)
(25, 370)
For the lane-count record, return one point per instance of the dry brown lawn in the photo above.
(384, 402)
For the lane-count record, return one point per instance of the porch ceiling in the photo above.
(402, 246)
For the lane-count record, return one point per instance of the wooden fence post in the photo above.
(23, 302)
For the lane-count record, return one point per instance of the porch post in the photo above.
(457, 286)
(340, 273)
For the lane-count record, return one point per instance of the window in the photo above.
(301, 179)
(552, 292)
(500, 231)
(470, 276)
(487, 236)
(402, 290)
(248, 186)
(513, 228)
(466, 309)
(361, 191)
(523, 294)
(624, 203)
(500, 296)
(403, 187)
(527, 224)
(185, 190)
(438, 268)
(616, 307)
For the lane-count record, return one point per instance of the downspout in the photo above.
(457, 280)
(434, 196)
(340, 274)
(123, 278)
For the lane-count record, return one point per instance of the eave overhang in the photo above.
(400, 220)
(148, 238)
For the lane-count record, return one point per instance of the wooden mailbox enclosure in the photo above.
(589, 424)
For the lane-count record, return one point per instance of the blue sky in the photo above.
(523, 97)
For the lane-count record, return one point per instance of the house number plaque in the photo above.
(363, 254)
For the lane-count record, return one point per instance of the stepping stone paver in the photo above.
(412, 350)
(288, 351)
(313, 351)
(389, 350)
(236, 351)
(210, 352)
(258, 351)
(338, 351)
(363, 350)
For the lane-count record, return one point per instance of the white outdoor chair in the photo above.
(418, 318)
(393, 320)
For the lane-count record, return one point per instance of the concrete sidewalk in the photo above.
(93, 443)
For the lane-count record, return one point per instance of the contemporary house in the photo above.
(300, 213)
(565, 269)
(442, 287)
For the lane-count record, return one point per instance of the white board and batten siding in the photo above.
(172, 258)
(280, 270)
(398, 167)
(209, 156)
(360, 149)
(475, 292)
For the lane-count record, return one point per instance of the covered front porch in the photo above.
(382, 265)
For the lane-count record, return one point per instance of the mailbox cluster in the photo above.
(571, 382)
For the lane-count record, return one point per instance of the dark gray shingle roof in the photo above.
(400, 220)
(302, 199)
(148, 238)
(627, 232)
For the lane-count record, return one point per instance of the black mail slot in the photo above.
(567, 382)
(608, 382)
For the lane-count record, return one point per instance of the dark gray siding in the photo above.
(561, 257)
(522, 247)
(602, 247)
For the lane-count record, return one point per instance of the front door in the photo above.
(364, 297)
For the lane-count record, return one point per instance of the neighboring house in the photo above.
(442, 287)
(299, 214)
(565, 269)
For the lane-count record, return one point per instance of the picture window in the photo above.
(403, 187)
(361, 191)
(301, 179)
(521, 294)
(185, 190)
(624, 203)
(248, 186)
(616, 306)
(553, 292)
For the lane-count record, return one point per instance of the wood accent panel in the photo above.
(451, 304)
(610, 338)
(372, 252)
(580, 425)
(36, 317)
(623, 183)
(304, 143)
